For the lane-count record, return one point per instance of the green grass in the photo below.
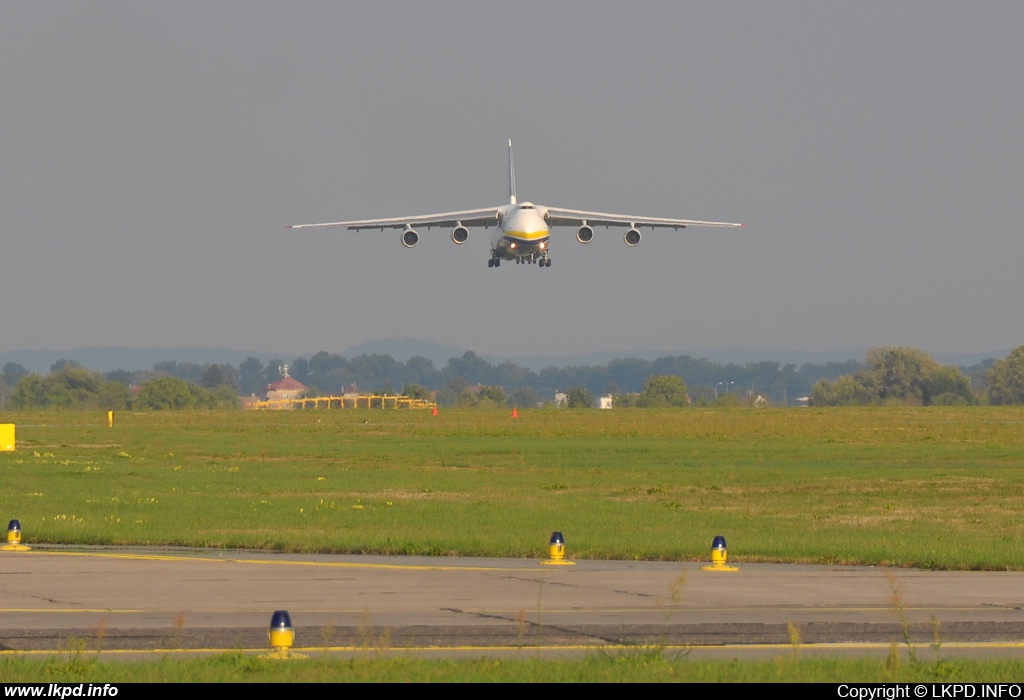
(933, 487)
(647, 665)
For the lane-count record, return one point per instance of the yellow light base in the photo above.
(558, 562)
(283, 654)
(718, 567)
(14, 548)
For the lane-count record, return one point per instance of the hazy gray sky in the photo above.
(151, 155)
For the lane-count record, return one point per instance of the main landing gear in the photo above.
(543, 262)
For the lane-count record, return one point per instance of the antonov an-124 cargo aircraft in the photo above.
(521, 229)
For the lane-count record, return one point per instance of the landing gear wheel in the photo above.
(490, 263)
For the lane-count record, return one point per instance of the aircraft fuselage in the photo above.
(522, 234)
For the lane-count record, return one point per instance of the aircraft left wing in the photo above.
(468, 217)
(575, 217)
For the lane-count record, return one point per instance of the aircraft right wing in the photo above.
(469, 217)
(575, 217)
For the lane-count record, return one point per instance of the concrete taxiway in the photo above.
(137, 600)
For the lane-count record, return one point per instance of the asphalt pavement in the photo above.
(202, 601)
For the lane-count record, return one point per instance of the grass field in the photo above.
(647, 665)
(932, 487)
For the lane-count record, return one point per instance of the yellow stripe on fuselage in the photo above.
(529, 236)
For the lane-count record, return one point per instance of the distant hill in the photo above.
(968, 359)
(739, 356)
(107, 359)
(405, 348)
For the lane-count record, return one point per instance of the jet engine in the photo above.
(584, 234)
(410, 238)
(460, 234)
(632, 237)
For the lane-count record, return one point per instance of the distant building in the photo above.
(760, 402)
(284, 388)
(605, 402)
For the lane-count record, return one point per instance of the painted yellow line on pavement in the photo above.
(833, 646)
(475, 611)
(284, 562)
(406, 567)
(717, 610)
(71, 610)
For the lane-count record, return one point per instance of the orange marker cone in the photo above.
(515, 413)
(434, 412)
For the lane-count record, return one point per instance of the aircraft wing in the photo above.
(575, 217)
(469, 217)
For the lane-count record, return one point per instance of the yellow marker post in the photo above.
(110, 419)
(719, 554)
(14, 538)
(7, 437)
(556, 550)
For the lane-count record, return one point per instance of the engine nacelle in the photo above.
(460, 234)
(410, 238)
(584, 234)
(632, 237)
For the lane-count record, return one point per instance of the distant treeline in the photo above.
(910, 377)
(71, 386)
(209, 385)
(705, 380)
(327, 373)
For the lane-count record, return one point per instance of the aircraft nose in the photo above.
(529, 222)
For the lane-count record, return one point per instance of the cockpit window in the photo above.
(526, 206)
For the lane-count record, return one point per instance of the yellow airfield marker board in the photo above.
(6, 437)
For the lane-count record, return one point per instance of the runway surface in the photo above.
(135, 600)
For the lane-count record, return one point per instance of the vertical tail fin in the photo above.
(511, 176)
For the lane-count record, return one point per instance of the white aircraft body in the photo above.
(521, 230)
